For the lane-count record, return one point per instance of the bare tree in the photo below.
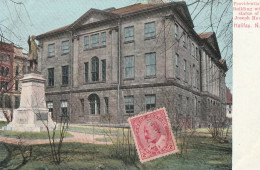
(217, 123)
(61, 125)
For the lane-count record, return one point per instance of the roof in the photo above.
(116, 13)
(206, 35)
(55, 31)
(119, 11)
(132, 8)
(228, 96)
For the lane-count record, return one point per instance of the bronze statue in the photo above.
(33, 55)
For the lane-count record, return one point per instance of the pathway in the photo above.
(77, 137)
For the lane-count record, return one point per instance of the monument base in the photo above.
(32, 115)
(25, 121)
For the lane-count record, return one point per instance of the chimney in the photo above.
(156, 1)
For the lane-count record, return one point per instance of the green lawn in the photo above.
(31, 135)
(97, 130)
(2, 124)
(202, 153)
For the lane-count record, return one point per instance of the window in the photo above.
(129, 104)
(106, 105)
(86, 42)
(194, 76)
(2, 71)
(7, 72)
(24, 69)
(16, 70)
(184, 39)
(150, 61)
(16, 85)
(64, 109)
(103, 70)
(16, 102)
(7, 57)
(187, 105)
(129, 34)
(192, 50)
(51, 50)
(82, 105)
(176, 29)
(65, 47)
(149, 30)
(191, 75)
(2, 85)
(197, 53)
(197, 79)
(95, 69)
(51, 77)
(150, 102)
(7, 85)
(95, 40)
(103, 38)
(86, 71)
(196, 106)
(8, 102)
(177, 69)
(1, 98)
(94, 104)
(129, 67)
(180, 104)
(50, 107)
(65, 75)
(185, 70)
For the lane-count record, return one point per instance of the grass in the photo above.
(114, 139)
(2, 124)
(202, 153)
(97, 130)
(31, 135)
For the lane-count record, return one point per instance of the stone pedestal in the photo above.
(32, 115)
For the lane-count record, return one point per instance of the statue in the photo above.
(33, 55)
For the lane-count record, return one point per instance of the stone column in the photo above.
(114, 57)
(203, 72)
(75, 57)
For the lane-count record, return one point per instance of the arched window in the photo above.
(94, 104)
(95, 69)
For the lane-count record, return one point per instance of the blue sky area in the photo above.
(35, 17)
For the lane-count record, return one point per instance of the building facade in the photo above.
(228, 103)
(11, 59)
(114, 63)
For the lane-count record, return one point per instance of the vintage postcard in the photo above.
(82, 83)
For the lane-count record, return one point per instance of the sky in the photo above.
(34, 17)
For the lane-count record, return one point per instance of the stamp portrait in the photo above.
(153, 135)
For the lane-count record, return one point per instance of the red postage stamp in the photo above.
(153, 135)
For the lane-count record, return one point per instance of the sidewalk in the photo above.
(77, 138)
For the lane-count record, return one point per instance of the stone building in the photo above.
(20, 67)
(114, 63)
(228, 103)
(11, 57)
